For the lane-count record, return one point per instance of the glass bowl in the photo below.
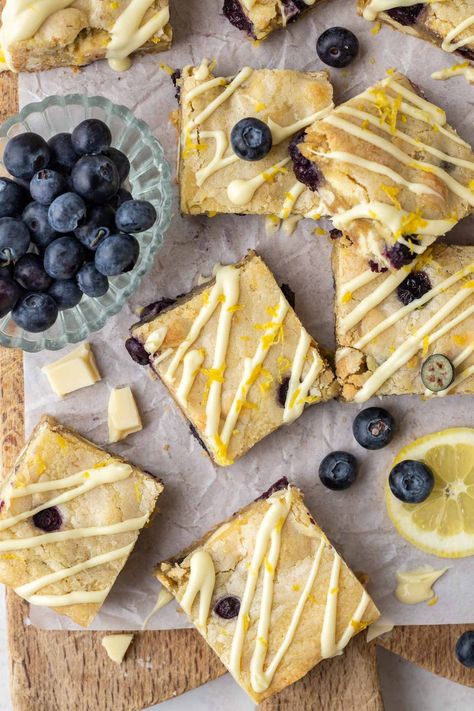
(150, 179)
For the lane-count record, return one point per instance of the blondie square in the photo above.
(70, 515)
(235, 357)
(269, 593)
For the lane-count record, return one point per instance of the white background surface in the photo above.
(404, 688)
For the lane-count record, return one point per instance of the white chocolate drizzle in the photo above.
(449, 44)
(72, 534)
(155, 340)
(192, 361)
(164, 598)
(374, 7)
(26, 591)
(464, 69)
(202, 579)
(130, 31)
(298, 390)
(92, 478)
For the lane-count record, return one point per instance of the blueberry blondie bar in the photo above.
(258, 18)
(390, 171)
(235, 358)
(448, 24)
(37, 35)
(388, 325)
(269, 593)
(70, 515)
(212, 178)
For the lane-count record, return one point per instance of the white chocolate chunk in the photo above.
(78, 369)
(123, 415)
(116, 646)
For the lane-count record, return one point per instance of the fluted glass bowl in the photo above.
(150, 179)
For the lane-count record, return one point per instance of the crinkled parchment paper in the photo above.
(197, 494)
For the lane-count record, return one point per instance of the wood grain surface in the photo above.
(70, 670)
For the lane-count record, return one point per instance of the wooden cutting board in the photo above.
(70, 670)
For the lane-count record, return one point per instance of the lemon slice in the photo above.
(443, 524)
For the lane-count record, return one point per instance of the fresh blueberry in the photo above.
(135, 216)
(406, 16)
(92, 282)
(437, 372)
(151, 311)
(121, 162)
(120, 197)
(373, 428)
(251, 139)
(91, 136)
(400, 254)
(63, 155)
(337, 47)
(283, 391)
(136, 351)
(411, 481)
(13, 198)
(66, 293)
(25, 154)
(97, 225)
(465, 649)
(278, 485)
(14, 239)
(305, 170)
(35, 312)
(9, 295)
(30, 273)
(227, 607)
(416, 285)
(117, 254)
(35, 217)
(64, 257)
(95, 178)
(6, 270)
(46, 185)
(234, 12)
(66, 212)
(48, 520)
(338, 470)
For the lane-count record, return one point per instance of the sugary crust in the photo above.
(258, 292)
(434, 22)
(354, 368)
(54, 452)
(266, 16)
(79, 35)
(231, 545)
(283, 95)
(346, 185)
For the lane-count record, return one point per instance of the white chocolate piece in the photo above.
(123, 415)
(116, 646)
(78, 369)
(378, 628)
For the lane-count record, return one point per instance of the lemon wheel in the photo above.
(443, 524)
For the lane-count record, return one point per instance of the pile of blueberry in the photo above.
(66, 222)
